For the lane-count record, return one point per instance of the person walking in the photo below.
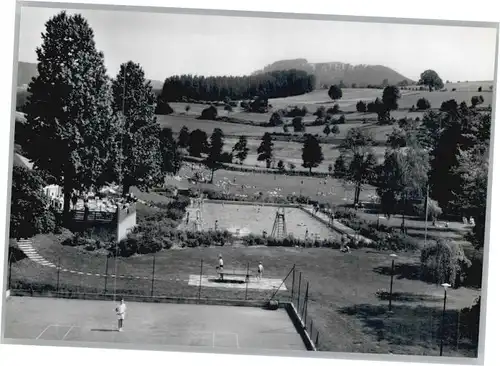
(120, 312)
(221, 267)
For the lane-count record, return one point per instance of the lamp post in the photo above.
(445, 286)
(393, 256)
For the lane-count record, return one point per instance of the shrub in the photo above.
(333, 110)
(444, 261)
(361, 106)
(209, 113)
(423, 104)
(320, 112)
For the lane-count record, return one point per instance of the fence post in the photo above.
(298, 296)
(58, 273)
(306, 298)
(106, 276)
(311, 330)
(293, 284)
(201, 275)
(153, 278)
(317, 338)
(247, 279)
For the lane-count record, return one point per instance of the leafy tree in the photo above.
(209, 113)
(187, 108)
(472, 171)
(335, 92)
(444, 262)
(183, 140)
(133, 97)
(298, 125)
(171, 157)
(361, 106)
(327, 130)
(476, 100)
(285, 128)
(340, 168)
(198, 143)
(334, 129)
(228, 108)
(397, 139)
(320, 112)
(68, 112)
(390, 97)
(276, 119)
(431, 79)
(265, 150)
(214, 158)
(281, 166)
(333, 110)
(241, 149)
(291, 166)
(423, 104)
(29, 213)
(356, 149)
(312, 154)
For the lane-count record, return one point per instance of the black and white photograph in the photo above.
(249, 184)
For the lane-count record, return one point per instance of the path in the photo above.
(335, 224)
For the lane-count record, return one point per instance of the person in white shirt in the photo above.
(120, 312)
(221, 267)
(260, 270)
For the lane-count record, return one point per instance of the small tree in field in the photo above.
(335, 92)
(183, 139)
(326, 130)
(312, 155)
(340, 168)
(281, 166)
(334, 129)
(187, 108)
(298, 125)
(214, 158)
(423, 104)
(361, 106)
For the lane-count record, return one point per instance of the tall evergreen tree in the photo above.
(68, 111)
(183, 137)
(140, 141)
(312, 155)
(171, 157)
(213, 160)
(241, 149)
(265, 150)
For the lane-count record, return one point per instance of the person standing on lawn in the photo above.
(220, 267)
(260, 270)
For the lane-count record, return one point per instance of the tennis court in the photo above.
(208, 326)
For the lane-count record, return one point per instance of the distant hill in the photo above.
(27, 70)
(329, 73)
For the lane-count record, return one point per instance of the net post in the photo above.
(201, 276)
(9, 281)
(106, 276)
(306, 298)
(58, 274)
(317, 338)
(247, 279)
(293, 284)
(153, 276)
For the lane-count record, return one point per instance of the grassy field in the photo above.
(343, 302)
(329, 190)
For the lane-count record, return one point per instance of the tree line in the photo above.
(276, 84)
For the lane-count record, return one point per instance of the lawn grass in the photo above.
(343, 303)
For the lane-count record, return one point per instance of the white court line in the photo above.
(43, 331)
(237, 340)
(70, 329)
(213, 339)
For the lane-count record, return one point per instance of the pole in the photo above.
(298, 296)
(106, 275)
(293, 283)
(426, 211)
(390, 291)
(317, 338)
(306, 298)
(201, 275)
(116, 270)
(10, 271)
(58, 273)
(153, 277)
(247, 278)
(442, 325)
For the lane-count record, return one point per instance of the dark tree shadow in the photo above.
(16, 254)
(408, 297)
(416, 326)
(407, 271)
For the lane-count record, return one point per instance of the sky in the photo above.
(172, 44)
